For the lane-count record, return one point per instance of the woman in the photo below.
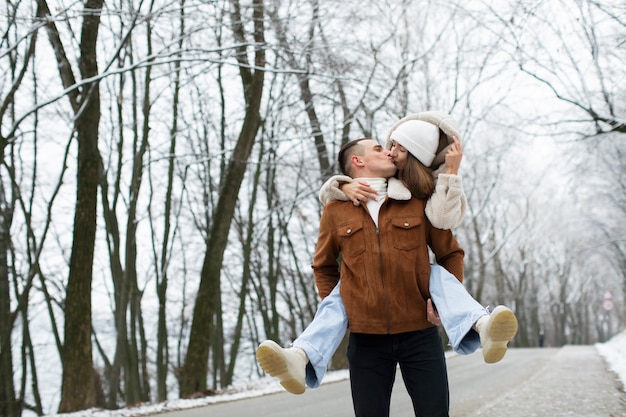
(416, 142)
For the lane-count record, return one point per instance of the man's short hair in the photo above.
(345, 154)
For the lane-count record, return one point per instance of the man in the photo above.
(383, 247)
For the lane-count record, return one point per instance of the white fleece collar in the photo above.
(397, 190)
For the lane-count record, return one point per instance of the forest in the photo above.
(161, 163)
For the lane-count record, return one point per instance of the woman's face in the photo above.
(398, 153)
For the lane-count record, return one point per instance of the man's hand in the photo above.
(432, 314)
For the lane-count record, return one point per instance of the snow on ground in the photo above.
(613, 351)
(263, 386)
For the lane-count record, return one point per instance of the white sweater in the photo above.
(445, 208)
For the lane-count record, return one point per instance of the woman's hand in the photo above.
(358, 191)
(453, 157)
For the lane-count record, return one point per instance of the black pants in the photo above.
(373, 360)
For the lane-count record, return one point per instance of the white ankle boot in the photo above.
(286, 364)
(496, 331)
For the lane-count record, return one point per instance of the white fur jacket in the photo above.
(445, 209)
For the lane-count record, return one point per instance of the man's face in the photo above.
(377, 161)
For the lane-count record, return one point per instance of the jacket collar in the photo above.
(397, 190)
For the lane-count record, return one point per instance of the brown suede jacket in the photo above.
(384, 272)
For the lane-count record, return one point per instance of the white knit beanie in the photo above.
(444, 121)
(420, 138)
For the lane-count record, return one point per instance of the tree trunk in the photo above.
(207, 305)
(78, 392)
(9, 406)
(162, 350)
(78, 389)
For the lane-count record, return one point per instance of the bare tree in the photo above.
(9, 404)
(163, 254)
(302, 73)
(78, 389)
(130, 360)
(205, 330)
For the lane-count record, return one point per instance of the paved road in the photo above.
(572, 381)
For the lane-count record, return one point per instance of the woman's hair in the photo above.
(443, 144)
(416, 177)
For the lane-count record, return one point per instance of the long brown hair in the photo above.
(416, 177)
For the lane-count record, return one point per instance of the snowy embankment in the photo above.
(614, 353)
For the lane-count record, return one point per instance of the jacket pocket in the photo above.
(351, 238)
(408, 233)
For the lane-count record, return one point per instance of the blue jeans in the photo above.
(457, 309)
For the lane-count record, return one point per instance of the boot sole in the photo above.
(502, 329)
(270, 357)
